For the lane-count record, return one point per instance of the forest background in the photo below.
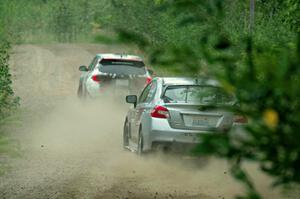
(254, 53)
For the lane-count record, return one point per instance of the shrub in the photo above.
(7, 99)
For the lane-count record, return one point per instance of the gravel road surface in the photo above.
(71, 149)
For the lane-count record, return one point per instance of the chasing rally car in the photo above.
(170, 113)
(113, 75)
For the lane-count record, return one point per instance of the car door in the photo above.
(88, 80)
(87, 73)
(143, 106)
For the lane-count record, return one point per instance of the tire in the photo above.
(80, 93)
(126, 134)
(140, 143)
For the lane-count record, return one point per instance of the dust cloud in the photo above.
(73, 149)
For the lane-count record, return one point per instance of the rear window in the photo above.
(111, 62)
(122, 67)
(197, 95)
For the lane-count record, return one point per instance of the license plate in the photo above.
(122, 82)
(200, 121)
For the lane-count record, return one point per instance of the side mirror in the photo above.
(131, 99)
(83, 68)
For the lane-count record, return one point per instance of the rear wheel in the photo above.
(80, 92)
(140, 143)
(126, 134)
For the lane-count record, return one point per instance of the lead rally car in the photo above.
(113, 75)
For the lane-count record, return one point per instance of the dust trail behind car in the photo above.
(72, 149)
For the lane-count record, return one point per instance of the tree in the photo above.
(64, 22)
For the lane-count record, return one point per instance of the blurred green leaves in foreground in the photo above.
(212, 38)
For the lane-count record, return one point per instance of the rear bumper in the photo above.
(160, 132)
(112, 88)
(101, 91)
(109, 92)
(173, 147)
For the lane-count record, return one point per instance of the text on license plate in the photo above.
(200, 122)
(122, 82)
(203, 121)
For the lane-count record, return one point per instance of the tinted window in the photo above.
(93, 64)
(151, 93)
(197, 94)
(122, 67)
(110, 62)
(148, 93)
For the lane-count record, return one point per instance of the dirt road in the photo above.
(72, 149)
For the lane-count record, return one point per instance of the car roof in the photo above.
(169, 81)
(120, 56)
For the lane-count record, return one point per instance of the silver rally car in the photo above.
(172, 112)
(113, 74)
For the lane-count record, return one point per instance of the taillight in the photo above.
(240, 119)
(96, 78)
(160, 112)
(148, 80)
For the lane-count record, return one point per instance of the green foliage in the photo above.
(41, 21)
(287, 10)
(147, 20)
(7, 99)
(8, 102)
(64, 22)
(70, 19)
(293, 14)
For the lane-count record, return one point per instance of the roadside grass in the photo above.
(291, 191)
(48, 38)
(9, 146)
